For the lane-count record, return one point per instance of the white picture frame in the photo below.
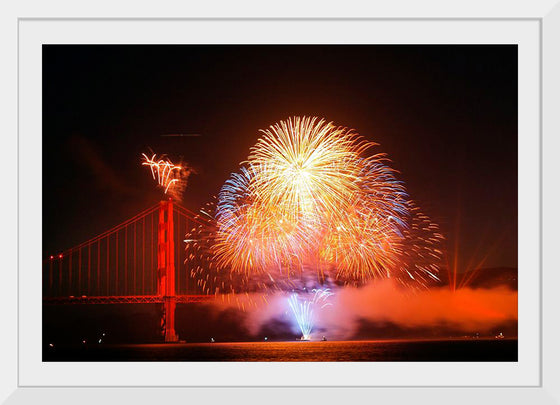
(546, 16)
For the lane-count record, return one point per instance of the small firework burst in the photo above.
(170, 177)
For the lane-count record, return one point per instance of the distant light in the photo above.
(83, 342)
(99, 341)
(52, 257)
(181, 135)
(51, 345)
(60, 256)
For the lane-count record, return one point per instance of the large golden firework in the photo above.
(306, 167)
(309, 200)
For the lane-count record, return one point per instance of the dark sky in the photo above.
(446, 115)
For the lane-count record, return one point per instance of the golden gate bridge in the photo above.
(135, 262)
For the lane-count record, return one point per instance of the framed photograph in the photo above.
(286, 203)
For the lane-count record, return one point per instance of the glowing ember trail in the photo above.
(304, 309)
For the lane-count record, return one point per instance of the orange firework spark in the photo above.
(252, 237)
(421, 257)
(362, 246)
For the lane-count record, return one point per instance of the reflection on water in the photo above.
(419, 350)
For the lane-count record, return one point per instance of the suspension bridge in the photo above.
(140, 261)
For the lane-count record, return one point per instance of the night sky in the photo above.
(446, 115)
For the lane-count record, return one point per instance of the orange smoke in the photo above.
(464, 309)
(385, 302)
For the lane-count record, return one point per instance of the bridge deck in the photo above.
(126, 299)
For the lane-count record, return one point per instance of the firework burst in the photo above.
(170, 177)
(309, 203)
(252, 237)
(306, 167)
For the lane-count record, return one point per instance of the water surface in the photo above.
(394, 350)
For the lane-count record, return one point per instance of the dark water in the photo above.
(418, 350)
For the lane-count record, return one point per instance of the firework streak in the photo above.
(304, 309)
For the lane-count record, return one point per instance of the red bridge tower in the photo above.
(166, 270)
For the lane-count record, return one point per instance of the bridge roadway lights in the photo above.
(127, 299)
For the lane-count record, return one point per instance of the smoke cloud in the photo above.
(383, 302)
